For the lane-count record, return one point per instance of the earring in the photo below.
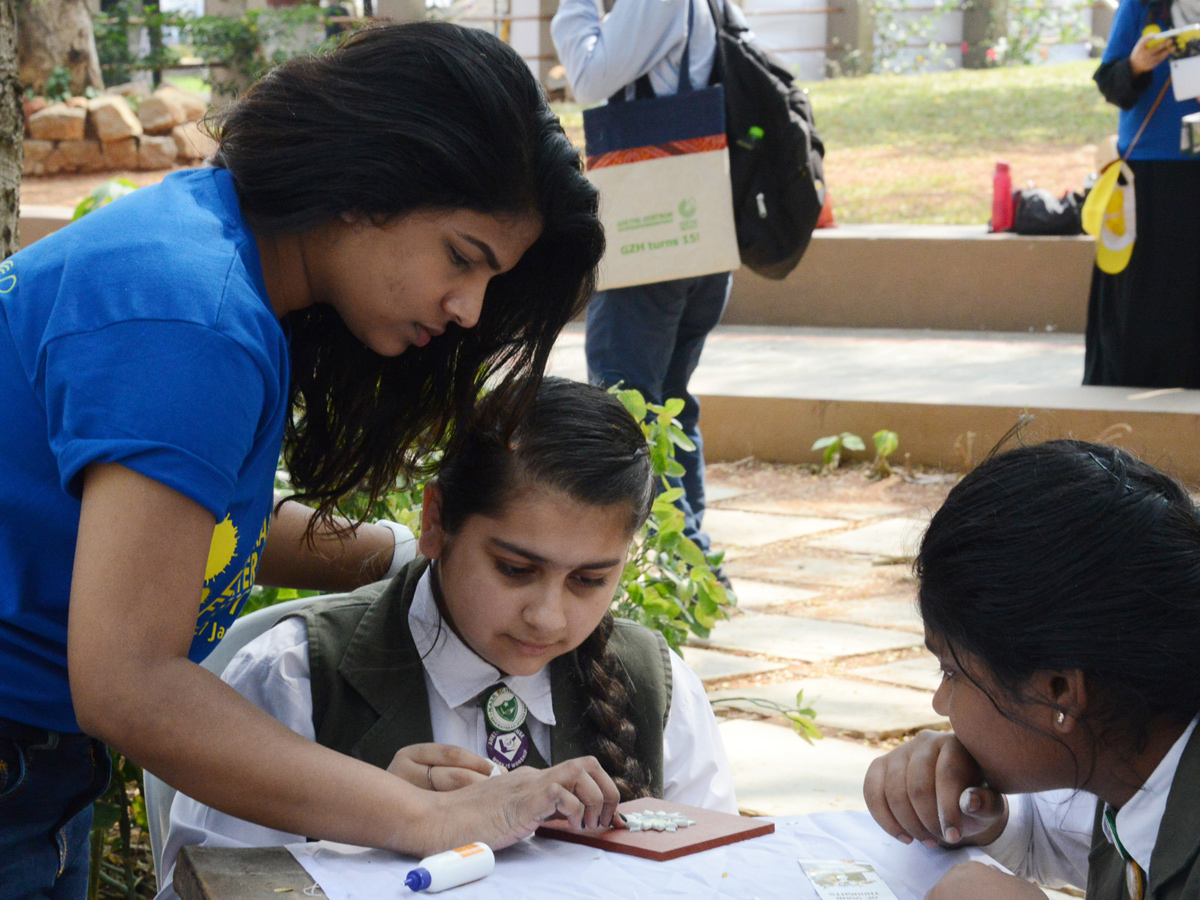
(1061, 718)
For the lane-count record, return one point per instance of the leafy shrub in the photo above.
(668, 583)
(111, 190)
(58, 85)
(240, 49)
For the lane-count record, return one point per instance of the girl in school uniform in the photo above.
(497, 650)
(1060, 588)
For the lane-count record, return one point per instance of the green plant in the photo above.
(668, 583)
(111, 190)
(1031, 27)
(834, 445)
(111, 31)
(245, 46)
(252, 44)
(118, 865)
(886, 443)
(905, 36)
(801, 717)
(58, 85)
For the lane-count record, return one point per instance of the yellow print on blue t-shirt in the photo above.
(8, 278)
(228, 577)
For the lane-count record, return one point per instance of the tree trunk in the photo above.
(57, 33)
(12, 132)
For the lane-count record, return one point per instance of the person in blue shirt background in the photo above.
(1143, 327)
(384, 229)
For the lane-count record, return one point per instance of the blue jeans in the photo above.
(650, 338)
(48, 780)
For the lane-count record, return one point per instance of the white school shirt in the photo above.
(272, 672)
(604, 53)
(1049, 835)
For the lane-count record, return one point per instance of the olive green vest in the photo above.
(368, 685)
(1174, 874)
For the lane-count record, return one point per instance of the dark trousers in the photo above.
(650, 337)
(48, 781)
(1143, 326)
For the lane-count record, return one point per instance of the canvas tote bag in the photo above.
(661, 165)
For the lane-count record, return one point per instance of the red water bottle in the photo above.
(1002, 202)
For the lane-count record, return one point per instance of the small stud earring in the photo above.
(1062, 717)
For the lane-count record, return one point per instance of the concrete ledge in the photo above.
(952, 436)
(924, 276)
(39, 221)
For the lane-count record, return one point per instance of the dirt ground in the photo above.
(803, 488)
(941, 188)
(68, 190)
(937, 184)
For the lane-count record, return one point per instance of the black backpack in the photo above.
(1037, 211)
(775, 154)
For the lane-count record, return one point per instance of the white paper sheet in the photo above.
(758, 869)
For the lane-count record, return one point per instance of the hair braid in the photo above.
(608, 700)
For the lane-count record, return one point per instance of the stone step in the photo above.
(950, 395)
(924, 276)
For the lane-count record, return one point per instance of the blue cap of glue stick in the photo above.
(418, 880)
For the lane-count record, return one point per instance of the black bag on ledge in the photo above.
(775, 155)
(1038, 212)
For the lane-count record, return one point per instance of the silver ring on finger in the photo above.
(429, 777)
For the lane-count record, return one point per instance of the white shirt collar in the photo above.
(1138, 820)
(454, 669)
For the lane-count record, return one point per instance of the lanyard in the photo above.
(1135, 878)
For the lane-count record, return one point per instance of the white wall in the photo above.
(783, 33)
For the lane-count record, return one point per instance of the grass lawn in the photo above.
(922, 148)
(193, 83)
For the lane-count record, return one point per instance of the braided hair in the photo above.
(607, 688)
(580, 441)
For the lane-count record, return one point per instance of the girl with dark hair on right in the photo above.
(499, 645)
(384, 229)
(1060, 588)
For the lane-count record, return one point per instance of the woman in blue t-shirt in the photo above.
(384, 229)
(1143, 327)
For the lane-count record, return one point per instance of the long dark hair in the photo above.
(401, 118)
(576, 439)
(1072, 556)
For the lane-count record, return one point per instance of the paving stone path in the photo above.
(826, 603)
(822, 568)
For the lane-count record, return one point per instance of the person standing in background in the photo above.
(1143, 327)
(650, 336)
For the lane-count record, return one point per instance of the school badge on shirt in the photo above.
(505, 710)
(508, 739)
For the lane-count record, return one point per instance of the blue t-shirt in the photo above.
(1160, 140)
(141, 334)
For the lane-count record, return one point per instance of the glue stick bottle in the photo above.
(443, 871)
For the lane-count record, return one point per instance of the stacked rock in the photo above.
(104, 133)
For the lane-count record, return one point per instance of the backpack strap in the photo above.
(720, 20)
(642, 87)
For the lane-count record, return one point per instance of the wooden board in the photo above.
(712, 829)
(245, 873)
